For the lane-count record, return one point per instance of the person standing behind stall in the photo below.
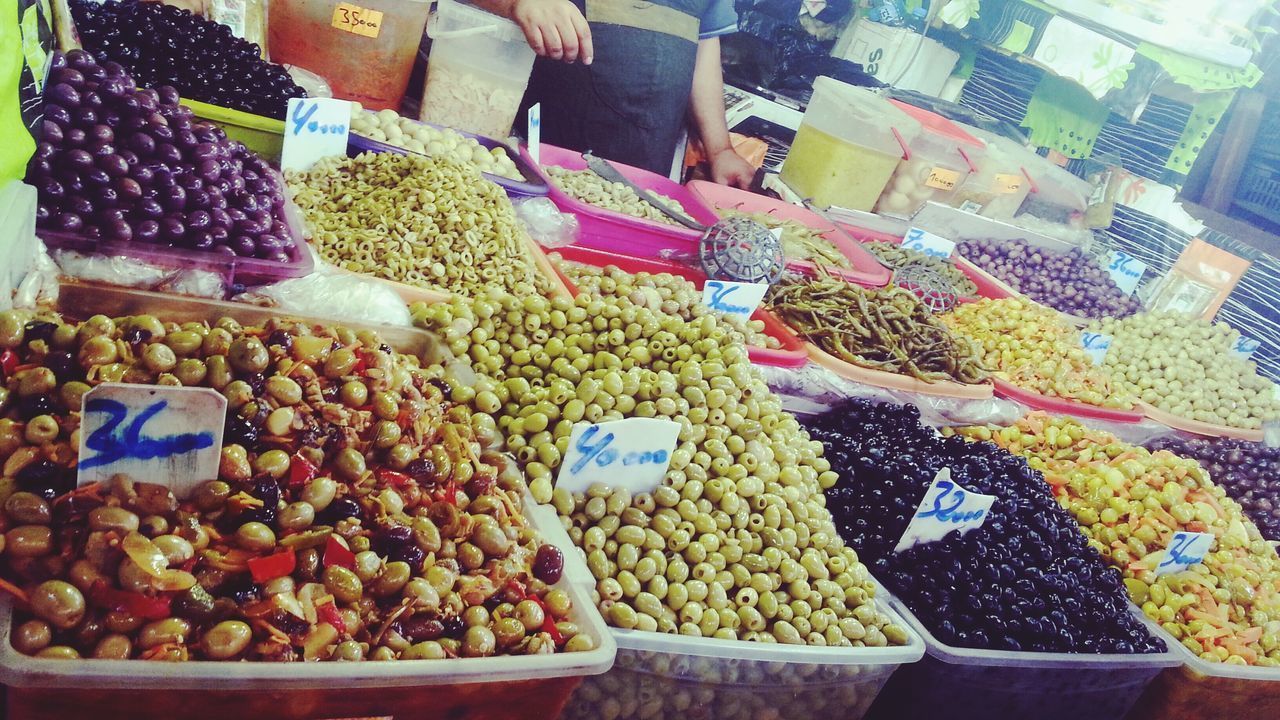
(620, 77)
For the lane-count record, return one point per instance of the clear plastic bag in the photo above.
(544, 222)
(332, 292)
(140, 274)
(316, 86)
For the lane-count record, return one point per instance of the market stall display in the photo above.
(887, 332)
(387, 126)
(588, 187)
(1184, 367)
(1032, 348)
(1246, 470)
(1072, 282)
(935, 164)
(895, 257)
(418, 220)
(162, 45)
(132, 168)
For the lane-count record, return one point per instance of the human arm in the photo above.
(706, 105)
(553, 28)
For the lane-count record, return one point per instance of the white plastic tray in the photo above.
(22, 671)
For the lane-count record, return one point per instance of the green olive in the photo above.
(320, 492)
(285, 390)
(31, 636)
(297, 516)
(426, 650)
(42, 430)
(255, 537)
(350, 463)
(28, 541)
(226, 640)
(392, 580)
(37, 381)
(211, 495)
(343, 584)
(248, 355)
(115, 519)
(57, 602)
(354, 393)
(12, 331)
(159, 358)
(177, 550)
(28, 509)
(478, 641)
(218, 371)
(340, 363)
(98, 350)
(113, 646)
(162, 632)
(274, 463)
(191, 372)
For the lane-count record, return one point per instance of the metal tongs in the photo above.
(608, 172)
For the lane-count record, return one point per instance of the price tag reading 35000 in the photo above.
(357, 20)
(633, 453)
(946, 507)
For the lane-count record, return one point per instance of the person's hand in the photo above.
(554, 29)
(728, 168)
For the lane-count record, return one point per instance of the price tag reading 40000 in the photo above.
(314, 129)
(633, 453)
(166, 435)
(946, 507)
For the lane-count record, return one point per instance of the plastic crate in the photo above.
(865, 270)
(509, 687)
(982, 684)
(262, 135)
(615, 232)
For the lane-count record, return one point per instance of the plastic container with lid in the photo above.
(532, 687)
(982, 684)
(477, 71)
(865, 269)
(1000, 184)
(848, 145)
(365, 48)
(621, 233)
(937, 162)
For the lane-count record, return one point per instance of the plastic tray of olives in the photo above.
(533, 185)
(22, 671)
(974, 683)
(1234, 691)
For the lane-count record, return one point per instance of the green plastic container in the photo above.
(262, 135)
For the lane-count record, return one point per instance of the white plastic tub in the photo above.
(982, 684)
(534, 686)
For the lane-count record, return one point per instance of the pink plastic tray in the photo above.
(866, 270)
(1048, 403)
(1200, 428)
(791, 354)
(615, 232)
(894, 381)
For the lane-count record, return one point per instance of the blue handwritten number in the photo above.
(1177, 554)
(719, 293)
(113, 447)
(949, 514)
(301, 118)
(603, 456)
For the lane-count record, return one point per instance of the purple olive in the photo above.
(64, 95)
(111, 88)
(39, 168)
(102, 134)
(161, 133)
(67, 75)
(150, 209)
(168, 153)
(118, 230)
(147, 231)
(43, 214)
(78, 205)
(269, 245)
(200, 240)
(114, 165)
(68, 222)
(96, 178)
(85, 117)
(102, 150)
(78, 159)
(175, 199)
(172, 229)
(75, 137)
(199, 220)
(107, 197)
(243, 245)
(168, 95)
(108, 215)
(50, 132)
(144, 174)
(220, 235)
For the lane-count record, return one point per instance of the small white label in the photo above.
(166, 435)
(535, 133)
(928, 243)
(314, 129)
(1095, 346)
(1126, 270)
(946, 507)
(1271, 431)
(1186, 549)
(632, 453)
(971, 206)
(733, 298)
(1243, 347)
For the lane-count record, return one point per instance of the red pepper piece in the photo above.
(548, 624)
(301, 471)
(398, 479)
(273, 566)
(335, 553)
(328, 613)
(147, 608)
(8, 363)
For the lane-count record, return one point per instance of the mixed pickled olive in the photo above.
(1031, 346)
(359, 512)
(896, 257)
(887, 329)
(424, 221)
(1129, 502)
(736, 542)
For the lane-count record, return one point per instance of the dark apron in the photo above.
(629, 105)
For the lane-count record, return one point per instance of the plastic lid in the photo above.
(859, 116)
(458, 20)
(934, 123)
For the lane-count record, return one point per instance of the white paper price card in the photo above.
(1243, 347)
(632, 453)
(733, 298)
(1186, 549)
(1095, 346)
(1126, 270)
(166, 435)
(535, 133)
(928, 243)
(314, 129)
(946, 507)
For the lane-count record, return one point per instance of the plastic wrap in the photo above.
(336, 293)
(314, 85)
(544, 222)
(140, 274)
(40, 284)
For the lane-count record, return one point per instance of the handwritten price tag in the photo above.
(928, 243)
(1186, 549)
(946, 507)
(314, 129)
(1243, 347)
(1006, 184)
(535, 133)
(632, 453)
(357, 20)
(733, 298)
(943, 179)
(1095, 346)
(166, 435)
(1126, 270)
